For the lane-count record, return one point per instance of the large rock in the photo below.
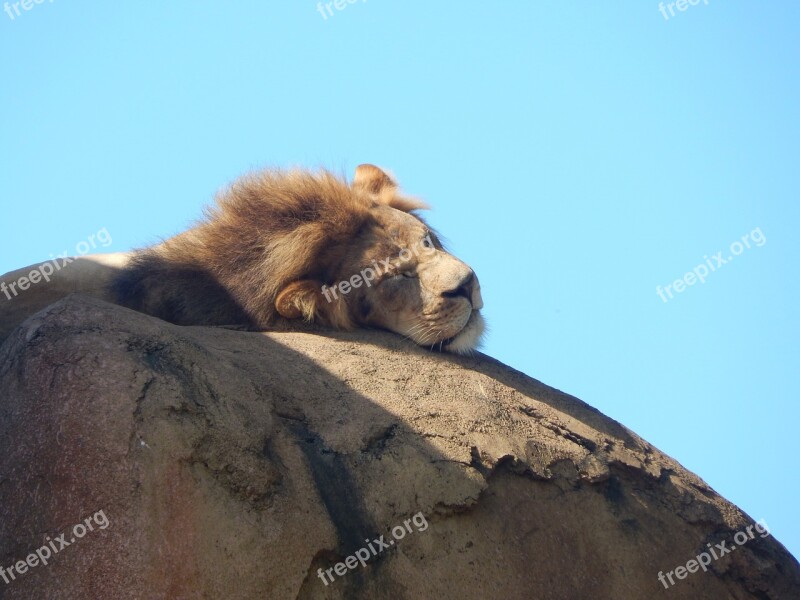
(230, 464)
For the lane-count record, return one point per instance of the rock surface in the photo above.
(234, 464)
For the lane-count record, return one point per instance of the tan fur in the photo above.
(274, 239)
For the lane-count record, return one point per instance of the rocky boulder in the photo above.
(157, 461)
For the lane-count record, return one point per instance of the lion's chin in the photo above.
(469, 338)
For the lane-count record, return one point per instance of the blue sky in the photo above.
(576, 154)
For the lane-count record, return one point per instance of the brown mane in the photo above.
(267, 230)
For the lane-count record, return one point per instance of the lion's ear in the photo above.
(298, 300)
(372, 179)
(308, 299)
(375, 181)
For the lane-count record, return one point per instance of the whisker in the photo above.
(416, 329)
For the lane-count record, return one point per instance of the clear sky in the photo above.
(576, 154)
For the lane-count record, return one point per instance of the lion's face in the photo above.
(394, 275)
(407, 283)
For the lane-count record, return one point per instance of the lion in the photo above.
(288, 245)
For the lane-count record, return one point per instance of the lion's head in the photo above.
(393, 274)
(302, 245)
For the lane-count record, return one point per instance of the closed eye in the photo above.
(408, 274)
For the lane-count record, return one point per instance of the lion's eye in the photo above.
(426, 243)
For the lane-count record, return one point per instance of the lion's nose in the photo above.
(463, 288)
(477, 299)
